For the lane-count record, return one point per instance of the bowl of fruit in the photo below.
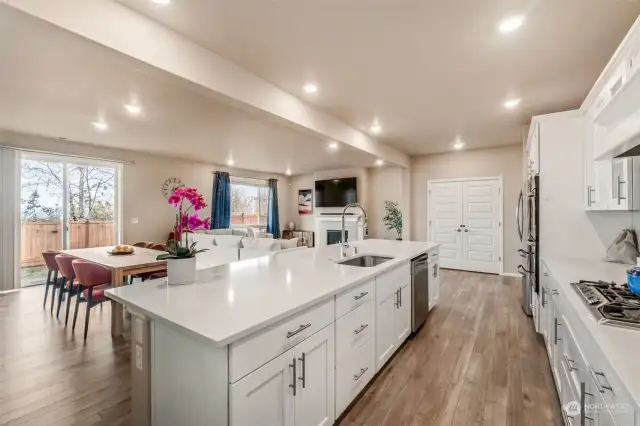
(121, 250)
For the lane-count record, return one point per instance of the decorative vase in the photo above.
(181, 271)
(292, 225)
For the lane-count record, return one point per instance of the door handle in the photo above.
(457, 230)
(518, 211)
(293, 381)
(466, 230)
(522, 270)
(303, 359)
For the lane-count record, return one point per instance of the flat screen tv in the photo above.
(335, 192)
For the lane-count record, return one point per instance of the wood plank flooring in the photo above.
(477, 361)
(48, 376)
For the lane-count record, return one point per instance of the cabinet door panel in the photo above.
(314, 402)
(264, 396)
(402, 315)
(385, 331)
(434, 284)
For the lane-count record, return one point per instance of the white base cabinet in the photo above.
(296, 388)
(434, 282)
(393, 312)
(265, 396)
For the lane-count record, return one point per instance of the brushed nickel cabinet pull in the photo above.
(362, 327)
(302, 327)
(361, 295)
(303, 359)
(362, 371)
(293, 377)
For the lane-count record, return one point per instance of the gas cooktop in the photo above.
(610, 303)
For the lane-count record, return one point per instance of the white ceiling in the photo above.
(55, 83)
(429, 70)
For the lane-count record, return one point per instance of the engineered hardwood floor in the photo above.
(477, 361)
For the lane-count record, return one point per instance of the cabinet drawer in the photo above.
(354, 329)
(572, 358)
(388, 283)
(259, 348)
(353, 375)
(349, 300)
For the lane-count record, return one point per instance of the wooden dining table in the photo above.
(141, 261)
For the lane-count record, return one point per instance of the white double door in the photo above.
(464, 217)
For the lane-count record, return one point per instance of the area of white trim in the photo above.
(122, 29)
(15, 290)
(511, 274)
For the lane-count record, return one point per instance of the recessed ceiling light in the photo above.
(133, 109)
(288, 172)
(510, 24)
(458, 145)
(333, 145)
(161, 1)
(379, 162)
(511, 103)
(376, 128)
(230, 162)
(310, 88)
(100, 126)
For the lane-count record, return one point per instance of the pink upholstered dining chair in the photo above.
(49, 257)
(94, 280)
(146, 275)
(68, 285)
(143, 244)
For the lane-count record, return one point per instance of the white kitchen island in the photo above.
(285, 340)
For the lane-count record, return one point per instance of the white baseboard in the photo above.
(9, 291)
(511, 274)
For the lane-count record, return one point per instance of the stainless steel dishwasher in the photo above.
(419, 291)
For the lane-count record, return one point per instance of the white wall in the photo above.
(385, 183)
(566, 230)
(504, 161)
(306, 181)
(142, 182)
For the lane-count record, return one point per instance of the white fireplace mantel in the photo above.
(353, 224)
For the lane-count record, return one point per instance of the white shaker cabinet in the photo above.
(385, 328)
(393, 312)
(434, 283)
(294, 389)
(402, 314)
(314, 400)
(265, 396)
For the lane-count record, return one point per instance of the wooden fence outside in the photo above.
(37, 237)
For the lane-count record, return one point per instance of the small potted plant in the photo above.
(393, 217)
(181, 255)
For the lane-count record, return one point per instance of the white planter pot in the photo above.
(181, 271)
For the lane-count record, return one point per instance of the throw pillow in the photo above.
(233, 241)
(289, 244)
(251, 232)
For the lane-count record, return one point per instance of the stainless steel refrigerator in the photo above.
(528, 219)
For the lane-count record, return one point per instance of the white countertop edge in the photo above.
(581, 313)
(233, 337)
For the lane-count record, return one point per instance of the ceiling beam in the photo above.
(116, 26)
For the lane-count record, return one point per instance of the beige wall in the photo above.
(385, 183)
(142, 182)
(505, 162)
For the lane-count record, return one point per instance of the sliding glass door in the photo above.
(65, 203)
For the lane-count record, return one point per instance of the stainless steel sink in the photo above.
(365, 261)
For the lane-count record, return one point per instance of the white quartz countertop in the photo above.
(233, 300)
(621, 346)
